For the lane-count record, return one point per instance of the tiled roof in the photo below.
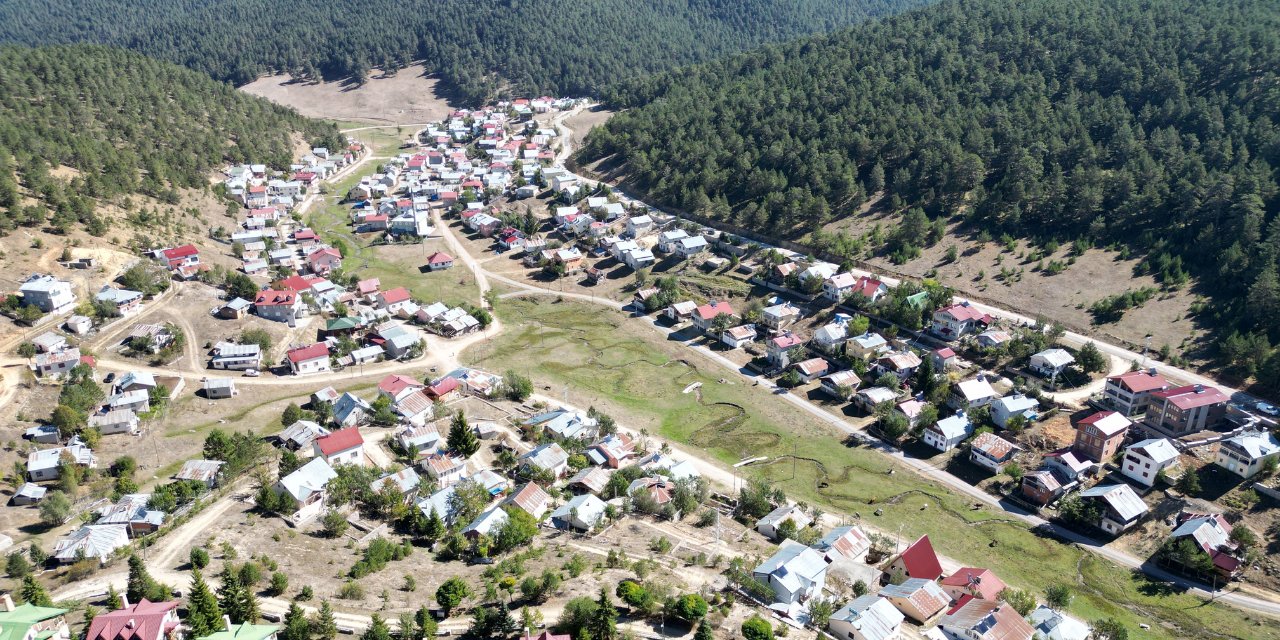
(339, 441)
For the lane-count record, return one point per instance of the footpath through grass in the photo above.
(624, 368)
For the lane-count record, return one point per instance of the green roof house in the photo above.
(29, 622)
(244, 632)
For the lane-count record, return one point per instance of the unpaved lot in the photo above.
(406, 97)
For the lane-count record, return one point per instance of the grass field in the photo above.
(624, 368)
(390, 263)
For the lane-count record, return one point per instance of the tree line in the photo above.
(1148, 126)
(477, 46)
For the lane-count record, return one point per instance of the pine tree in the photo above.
(296, 625)
(204, 615)
(433, 528)
(704, 631)
(90, 612)
(377, 630)
(33, 592)
(113, 599)
(461, 438)
(141, 585)
(229, 595)
(324, 626)
(604, 622)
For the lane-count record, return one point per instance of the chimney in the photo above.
(6, 602)
(226, 622)
(1151, 371)
(124, 601)
(1199, 388)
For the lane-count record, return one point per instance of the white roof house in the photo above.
(308, 480)
(1123, 506)
(795, 572)
(1051, 361)
(769, 524)
(98, 541)
(1055, 625)
(1002, 409)
(947, 433)
(868, 617)
(1245, 454)
(582, 513)
(301, 434)
(976, 392)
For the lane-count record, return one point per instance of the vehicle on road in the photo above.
(1269, 409)
(251, 373)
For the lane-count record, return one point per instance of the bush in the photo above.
(689, 607)
(199, 558)
(351, 590)
(757, 628)
(279, 584)
(55, 508)
(334, 523)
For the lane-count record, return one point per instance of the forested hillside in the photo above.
(554, 46)
(1152, 124)
(127, 124)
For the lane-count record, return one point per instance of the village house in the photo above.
(549, 458)
(418, 440)
(768, 525)
(145, 620)
(947, 433)
(92, 541)
(916, 561)
(639, 225)
(1041, 487)
(79, 325)
(446, 469)
(47, 293)
(1099, 436)
(1248, 453)
(971, 394)
(589, 480)
(344, 446)
(137, 401)
(1121, 507)
(205, 472)
(737, 337)
(841, 384)
(992, 452)
(993, 338)
(532, 499)
(667, 240)
(953, 322)
(917, 598)
(394, 300)
(812, 369)
(779, 316)
(1143, 461)
(868, 289)
(49, 342)
(582, 513)
(562, 423)
(977, 619)
(705, 315)
(846, 543)
(1210, 533)
(902, 364)
(1130, 393)
(611, 450)
(219, 388)
(404, 482)
(1003, 409)
(325, 260)
(1185, 410)
(439, 261)
(830, 338)
(307, 487)
(973, 582)
(944, 359)
(795, 572)
(838, 287)
(309, 359)
(867, 346)
(1051, 362)
(1049, 624)
(868, 399)
(45, 464)
(281, 306)
(131, 510)
(778, 349)
(123, 301)
(53, 364)
(236, 357)
(31, 622)
(911, 409)
(351, 410)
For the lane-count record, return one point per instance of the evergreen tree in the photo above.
(231, 595)
(33, 592)
(204, 616)
(141, 585)
(325, 627)
(113, 599)
(296, 625)
(461, 438)
(704, 631)
(604, 622)
(377, 630)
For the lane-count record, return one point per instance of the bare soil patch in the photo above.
(408, 96)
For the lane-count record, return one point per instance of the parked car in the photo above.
(1269, 409)
(251, 373)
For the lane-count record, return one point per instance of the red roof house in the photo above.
(443, 388)
(917, 561)
(143, 621)
(394, 385)
(344, 446)
(179, 256)
(969, 581)
(439, 260)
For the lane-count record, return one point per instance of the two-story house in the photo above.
(1099, 436)
(1185, 410)
(1130, 393)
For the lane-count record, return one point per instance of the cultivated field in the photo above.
(409, 96)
